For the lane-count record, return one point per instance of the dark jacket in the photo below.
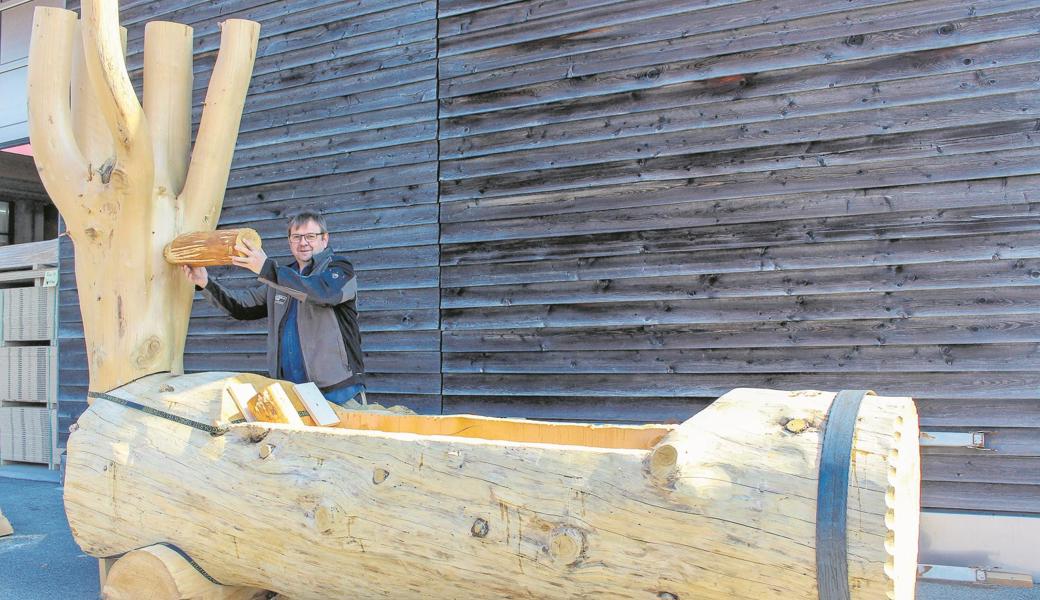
(326, 319)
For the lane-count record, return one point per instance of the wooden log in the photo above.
(5, 526)
(158, 572)
(723, 506)
(209, 248)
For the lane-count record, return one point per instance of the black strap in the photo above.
(210, 429)
(832, 567)
(191, 562)
(180, 552)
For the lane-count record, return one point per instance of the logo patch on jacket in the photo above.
(280, 298)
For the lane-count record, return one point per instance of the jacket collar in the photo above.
(318, 261)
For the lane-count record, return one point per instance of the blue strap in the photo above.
(832, 566)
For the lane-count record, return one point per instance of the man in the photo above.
(311, 309)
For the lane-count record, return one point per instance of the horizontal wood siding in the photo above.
(647, 203)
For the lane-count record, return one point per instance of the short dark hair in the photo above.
(303, 216)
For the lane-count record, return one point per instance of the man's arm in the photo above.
(245, 304)
(334, 285)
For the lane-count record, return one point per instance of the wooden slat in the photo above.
(698, 34)
(879, 359)
(891, 278)
(994, 302)
(692, 79)
(785, 334)
(986, 497)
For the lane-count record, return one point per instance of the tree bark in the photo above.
(721, 507)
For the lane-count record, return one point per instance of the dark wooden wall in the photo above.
(647, 203)
(619, 210)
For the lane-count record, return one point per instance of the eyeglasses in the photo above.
(296, 238)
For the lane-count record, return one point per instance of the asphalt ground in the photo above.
(42, 562)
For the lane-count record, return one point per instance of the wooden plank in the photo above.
(695, 80)
(979, 413)
(781, 144)
(307, 116)
(891, 226)
(993, 302)
(321, 187)
(631, 26)
(917, 385)
(891, 278)
(815, 52)
(610, 20)
(981, 468)
(290, 130)
(412, 65)
(987, 497)
(483, 17)
(348, 162)
(768, 109)
(350, 201)
(878, 359)
(454, 7)
(762, 259)
(699, 34)
(327, 144)
(703, 179)
(677, 201)
(766, 334)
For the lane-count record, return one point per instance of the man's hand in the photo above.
(196, 275)
(251, 258)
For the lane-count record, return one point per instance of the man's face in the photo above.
(303, 249)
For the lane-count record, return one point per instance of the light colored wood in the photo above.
(272, 405)
(5, 526)
(721, 507)
(159, 573)
(209, 248)
(115, 170)
(104, 567)
(316, 404)
(242, 393)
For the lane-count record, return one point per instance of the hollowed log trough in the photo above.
(722, 506)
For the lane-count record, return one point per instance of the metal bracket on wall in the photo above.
(973, 575)
(952, 439)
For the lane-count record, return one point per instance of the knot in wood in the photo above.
(257, 433)
(379, 475)
(796, 425)
(266, 451)
(666, 596)
(480, 528)
(663, 460)
(567, 545)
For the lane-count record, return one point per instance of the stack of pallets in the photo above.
(28, 355)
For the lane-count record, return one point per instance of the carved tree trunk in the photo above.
(120, 173)
(722, 507)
